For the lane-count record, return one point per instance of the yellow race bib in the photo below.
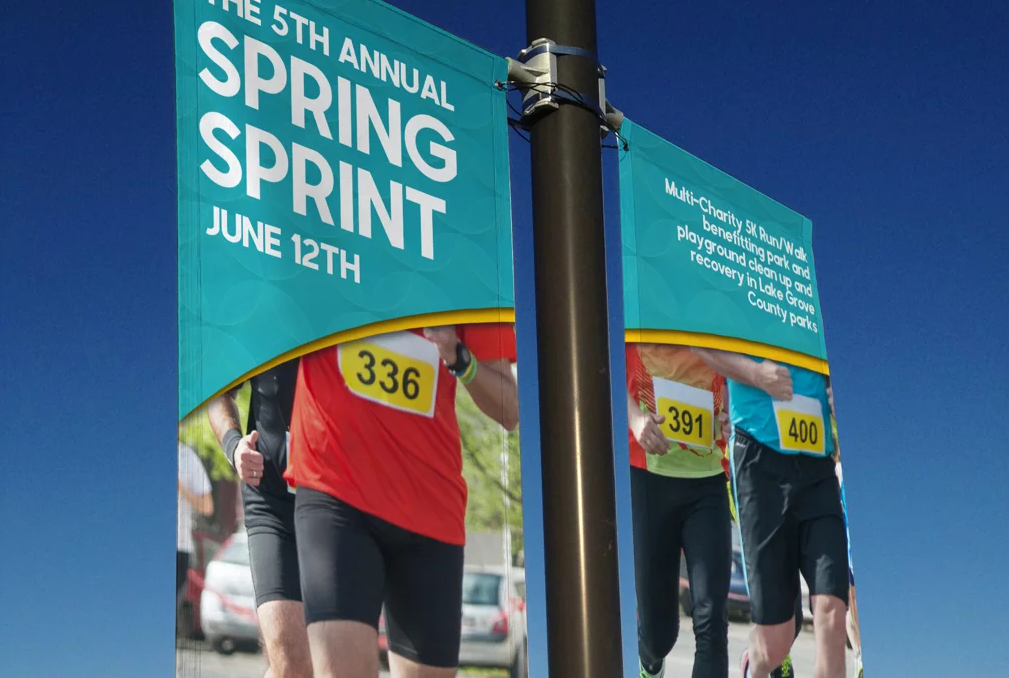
(689, 412)
(800, 425)
(398, 370)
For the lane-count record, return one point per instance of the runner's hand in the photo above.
(445, 338)
(249, 462)
(723, 419)
(775, 379)
(645, 427)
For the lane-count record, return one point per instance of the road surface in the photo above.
(194, 659)
(681, 660)
(197, 660)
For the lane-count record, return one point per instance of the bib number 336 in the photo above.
(800, 425)
(398, 370)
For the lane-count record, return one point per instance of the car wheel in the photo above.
(520, 666)
(223, 645)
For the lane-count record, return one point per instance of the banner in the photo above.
(705, 254)
(341, 164)
(735, 475)
(347, 352)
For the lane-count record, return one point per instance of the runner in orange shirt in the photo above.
(376, 458)
(678, 430)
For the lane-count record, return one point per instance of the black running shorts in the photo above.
(274, 558)
(273, 551)
(353, 562)
(790, 521)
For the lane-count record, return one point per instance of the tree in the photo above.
(495, 492)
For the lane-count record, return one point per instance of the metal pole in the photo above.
(576, 428)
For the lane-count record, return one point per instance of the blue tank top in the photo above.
(804, 421)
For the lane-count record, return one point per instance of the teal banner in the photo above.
(705, 253)
(341, 163)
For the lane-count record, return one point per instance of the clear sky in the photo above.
(886, 125)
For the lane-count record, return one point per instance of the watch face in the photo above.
(464, 356)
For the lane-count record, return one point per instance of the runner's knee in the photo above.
(771, 644)
(829, 613)
(710, 618)
(343, 648)
(657, 638)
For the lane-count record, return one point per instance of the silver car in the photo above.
(228, 602)
(494, 619)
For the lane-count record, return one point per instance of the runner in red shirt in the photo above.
(380, 508)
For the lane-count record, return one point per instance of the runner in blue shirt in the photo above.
(789, 507)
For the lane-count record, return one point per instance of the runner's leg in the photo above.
(342, 579)
(423, 603)
(707, 545)
(285, 638)
(275, 577)
(785, 670)
(830, 636)
(824, 563)
(769, 540)
(853, 635)
(656, 565)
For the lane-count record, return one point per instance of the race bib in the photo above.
(399, 370)
(689, 412)
(800, 425)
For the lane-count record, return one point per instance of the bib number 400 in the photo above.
(800, 425)
(804, 432)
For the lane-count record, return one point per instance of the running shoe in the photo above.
(785, 670)
(744, 663)
(646, 674)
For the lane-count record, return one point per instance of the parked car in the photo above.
(494, 620)
(493, 633)
(228, 601)
(187, 614)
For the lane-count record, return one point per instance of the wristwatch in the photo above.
(463, 359)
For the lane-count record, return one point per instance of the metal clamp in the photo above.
(535, 72)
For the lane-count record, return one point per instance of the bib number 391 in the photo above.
(689, 412)
(397, 370)
(800, 425)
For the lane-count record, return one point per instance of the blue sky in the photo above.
(886, 128)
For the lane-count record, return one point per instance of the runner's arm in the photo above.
(733, 366)
(223, 414)
(767, 375)
(204, 503)
(495, 392)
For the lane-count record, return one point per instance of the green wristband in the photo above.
(470, 374)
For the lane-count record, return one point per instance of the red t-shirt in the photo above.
(374, 424)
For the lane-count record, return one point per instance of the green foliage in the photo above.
(197, 434)
(495, 499)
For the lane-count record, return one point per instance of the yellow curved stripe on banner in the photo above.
(468, 317)
(727, 344)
